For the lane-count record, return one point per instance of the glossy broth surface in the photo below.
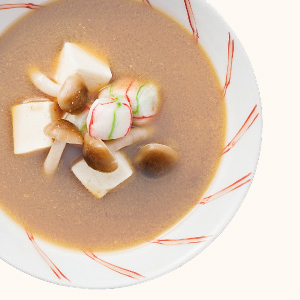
(137, 41)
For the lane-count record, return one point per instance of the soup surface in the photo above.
(137, 41)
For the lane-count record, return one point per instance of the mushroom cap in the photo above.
(73, 95)
(64, 131)
(98, 156)
(155, 159)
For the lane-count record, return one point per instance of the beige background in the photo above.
(256, 257)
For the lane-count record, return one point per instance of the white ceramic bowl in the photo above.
(208, 219)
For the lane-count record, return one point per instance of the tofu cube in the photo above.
(99, 183)
(29, 121)
(76, 60)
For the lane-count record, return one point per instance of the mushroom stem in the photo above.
(53, 158)
(134, 136)
(43, 83)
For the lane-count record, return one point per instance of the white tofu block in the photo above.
(29, 121)
(99, 183)
(76, 60)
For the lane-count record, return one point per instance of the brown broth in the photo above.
(138, 41)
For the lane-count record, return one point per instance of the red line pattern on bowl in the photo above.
(192, 19)
(229, 64)
(115, 268)
(19, 5)
(186, 241)
(248, 123)
(190, 14)
(48, 261)
(225, 191)
(147, 2)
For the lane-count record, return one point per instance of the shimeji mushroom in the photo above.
(43, 83)
(135, 135)
(155, 159)
(73, 95)
(63, 132)
(98, 156)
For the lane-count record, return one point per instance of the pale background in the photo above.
(256, 257)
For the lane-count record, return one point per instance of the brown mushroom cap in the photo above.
(155, 159)
(73, 95)
(98, 156)
(64, 131)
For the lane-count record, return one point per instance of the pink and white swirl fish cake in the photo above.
(143, 97)
(109, 119)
